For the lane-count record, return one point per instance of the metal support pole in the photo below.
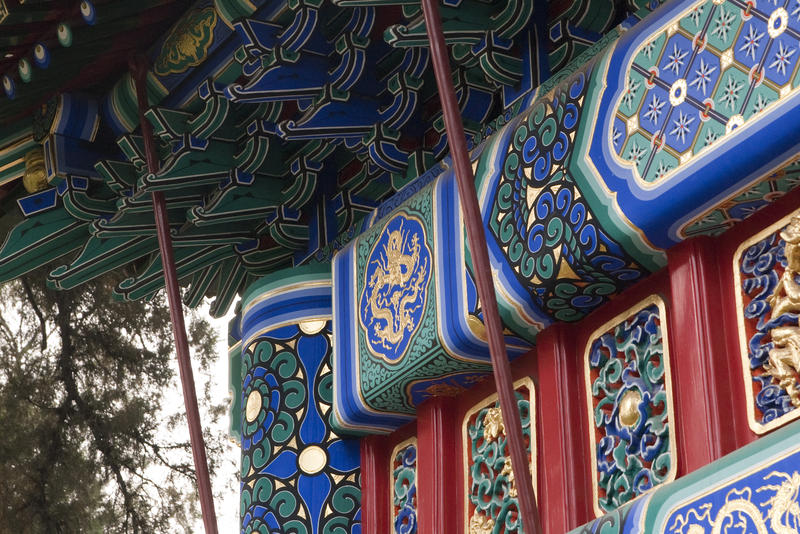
(483, 274)
(139, 70)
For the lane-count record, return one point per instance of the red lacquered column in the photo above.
(437, 465)
(564, 479)
(375, 485)
(705, 425)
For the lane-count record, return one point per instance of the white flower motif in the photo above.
(654, 109)
(630, 92)
(723, 24)
(731, 92)
(649, 47)
(615, 136)
(751, 42)
(760, 103)
(636, 152)
(675, 60)
(703, 72)
(711, 136)
(782, 58)
(796, 10)
(662, 170)
(682, 126)
(695, 15)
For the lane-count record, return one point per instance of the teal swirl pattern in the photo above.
(404, 490)
(628, 370)
(297, 475)
(542, 222)
(492, 496)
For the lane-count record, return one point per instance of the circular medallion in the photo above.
(629, 407)
(733, 123)
(24, 68)
(8, 86)
(253, 406)
(312, 326)
(312, 460)
(677, 93)
(396, 276)
(777, 22)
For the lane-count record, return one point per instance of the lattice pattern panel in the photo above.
(491, 496)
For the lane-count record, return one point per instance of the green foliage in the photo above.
(87, 440)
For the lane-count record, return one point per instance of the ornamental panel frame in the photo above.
(625, 398)
(752, 245)
(471, 525)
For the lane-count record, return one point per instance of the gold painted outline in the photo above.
(746, 375)
(400, 446)
(612, 323)
(360, 295)
(732, 479)
(611, 196)
(486, 401)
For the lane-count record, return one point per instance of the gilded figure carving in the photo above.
(480, 524)
(783, 364)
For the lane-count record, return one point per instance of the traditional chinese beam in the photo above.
(139, 70)
(480, 264)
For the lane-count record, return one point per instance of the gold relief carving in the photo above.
(188, 43)
(782, 510)
(784, 358)
(493, 424)
(629, 407)
(396, 270)
(35, 177)
(487, 461)
(443, 390)
(480, 524)
(508, 471)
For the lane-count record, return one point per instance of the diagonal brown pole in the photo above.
(483, 274)
(139, 69)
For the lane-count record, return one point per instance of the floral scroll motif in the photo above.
(768, 316)
(543, 223)
(709, 72)
(404, 487)
(491, 506)
(297, 475)
(629, 394)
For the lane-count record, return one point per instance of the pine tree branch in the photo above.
(35, 306)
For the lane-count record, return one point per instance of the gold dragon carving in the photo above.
(782, 516)
(396, 269)
(784, 358)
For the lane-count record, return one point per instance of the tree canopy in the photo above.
(88, 440)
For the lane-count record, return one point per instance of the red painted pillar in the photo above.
(563, 464)
(376, 486)
(705, 426)
(437, 467)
